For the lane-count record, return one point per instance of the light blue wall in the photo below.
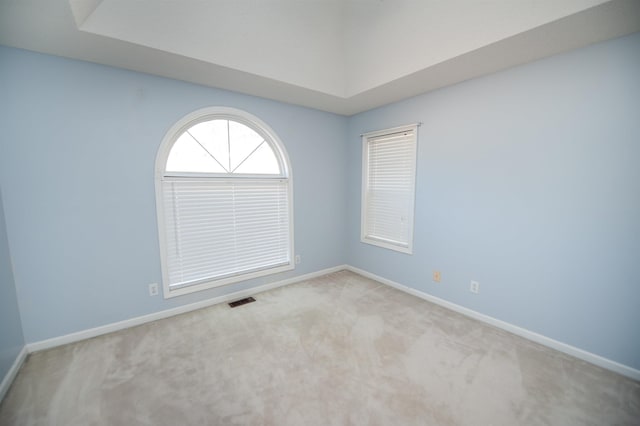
(77, 169)
(11, 338)
(528, 182)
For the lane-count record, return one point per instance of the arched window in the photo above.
(224, 200)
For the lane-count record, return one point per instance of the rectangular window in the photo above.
(388, 187)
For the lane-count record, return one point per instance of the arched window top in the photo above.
(222, 146)
(222, 141)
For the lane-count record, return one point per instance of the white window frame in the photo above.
(403, 246)
(202, 115)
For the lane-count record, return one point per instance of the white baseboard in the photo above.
(110, 328)
(13, 372)
(530, 335)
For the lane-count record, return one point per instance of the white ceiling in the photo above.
(343, 56)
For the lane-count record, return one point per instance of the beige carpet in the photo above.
(337, 350)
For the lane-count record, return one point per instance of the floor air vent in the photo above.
(242, 302)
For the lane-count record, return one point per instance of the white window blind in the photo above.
(223, 228)
(388, 188)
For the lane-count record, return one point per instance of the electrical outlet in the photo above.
(298, 259)
(153, 289)
(436, 276)
(474, 287)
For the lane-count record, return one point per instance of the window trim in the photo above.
(170, 137)
(364, 238)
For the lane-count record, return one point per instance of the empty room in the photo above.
(320, 212)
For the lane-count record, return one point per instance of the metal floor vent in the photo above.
(242, 302)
